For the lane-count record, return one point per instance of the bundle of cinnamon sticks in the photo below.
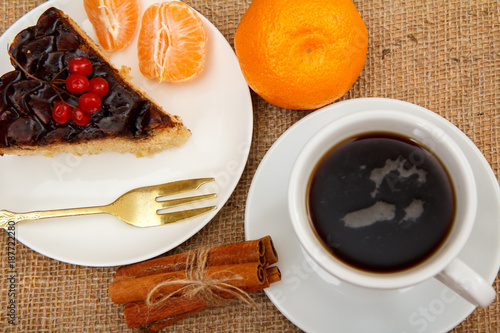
(158, 292)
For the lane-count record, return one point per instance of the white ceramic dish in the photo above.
(216, 107)
(317, 302)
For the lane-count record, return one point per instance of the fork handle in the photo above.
(7, 217)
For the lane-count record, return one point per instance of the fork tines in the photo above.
(177, 187)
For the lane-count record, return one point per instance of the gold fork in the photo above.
(139, 207)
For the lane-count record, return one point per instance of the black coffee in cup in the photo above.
(381, 202)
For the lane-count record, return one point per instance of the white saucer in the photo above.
(316, 302)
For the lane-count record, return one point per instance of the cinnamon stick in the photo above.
(237, 253)
(132, 290)
(155, 327)
(273, 274)
(138, 313)
(270, 253)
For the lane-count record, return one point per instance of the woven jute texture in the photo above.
(442, 55)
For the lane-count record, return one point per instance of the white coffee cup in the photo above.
(444, 264)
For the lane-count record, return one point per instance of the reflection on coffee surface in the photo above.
(381, 202)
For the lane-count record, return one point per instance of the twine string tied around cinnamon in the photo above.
(197, 283)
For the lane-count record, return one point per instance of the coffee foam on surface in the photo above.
(382, 211)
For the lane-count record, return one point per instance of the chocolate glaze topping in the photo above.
(44, 51)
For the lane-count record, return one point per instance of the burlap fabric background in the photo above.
(443, 55)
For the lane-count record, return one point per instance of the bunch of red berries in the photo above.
(91, 92)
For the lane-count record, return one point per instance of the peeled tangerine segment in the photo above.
(172, 42)
(114, 21)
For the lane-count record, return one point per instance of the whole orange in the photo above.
(301, 54)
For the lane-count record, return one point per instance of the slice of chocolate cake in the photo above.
(127, 121)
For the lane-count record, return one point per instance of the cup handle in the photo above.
(464, 281)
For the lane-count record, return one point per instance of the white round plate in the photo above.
(316, 302)
(216, 107)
